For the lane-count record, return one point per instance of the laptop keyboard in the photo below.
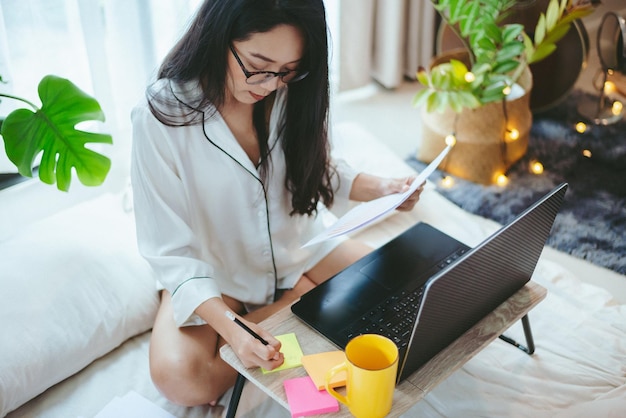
(394, 317)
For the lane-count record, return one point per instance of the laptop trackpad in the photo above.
(338, 301)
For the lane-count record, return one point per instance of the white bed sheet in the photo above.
(579, 367)
(579, 364)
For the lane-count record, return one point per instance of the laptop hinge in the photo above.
(530, 344)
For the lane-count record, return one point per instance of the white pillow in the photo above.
(73, 287)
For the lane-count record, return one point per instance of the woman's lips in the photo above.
(257, 96)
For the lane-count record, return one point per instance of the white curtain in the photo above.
(383, 40)
(108, 48)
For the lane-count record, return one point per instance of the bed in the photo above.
(77, 305)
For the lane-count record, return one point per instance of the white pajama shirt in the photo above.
(206, 222)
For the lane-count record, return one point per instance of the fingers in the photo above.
(267, 356)
(412, 200)
(254, 353)
(401, 185)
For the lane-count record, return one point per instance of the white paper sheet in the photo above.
(132, 405)
(366, 213)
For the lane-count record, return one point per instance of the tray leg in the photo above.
(234, 399)
(530, 344)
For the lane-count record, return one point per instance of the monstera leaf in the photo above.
(52, 131)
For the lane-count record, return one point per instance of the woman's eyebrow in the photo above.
(266, 59)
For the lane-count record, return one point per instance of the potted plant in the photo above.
(51, 130)
(486, 85)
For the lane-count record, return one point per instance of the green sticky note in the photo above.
(291, 351)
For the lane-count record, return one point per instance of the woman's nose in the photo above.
(272, 83)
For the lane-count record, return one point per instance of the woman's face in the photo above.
(277, 50)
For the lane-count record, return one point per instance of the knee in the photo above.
(183, 381)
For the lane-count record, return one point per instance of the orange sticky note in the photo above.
(316, 365)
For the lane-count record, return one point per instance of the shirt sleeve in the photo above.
(342, 182)
(165, 234)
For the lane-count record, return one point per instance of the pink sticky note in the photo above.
(304, 399)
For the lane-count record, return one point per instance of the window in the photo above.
(108, 48)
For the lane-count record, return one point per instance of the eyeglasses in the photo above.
(260, 77)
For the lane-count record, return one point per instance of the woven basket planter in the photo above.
(485, 147)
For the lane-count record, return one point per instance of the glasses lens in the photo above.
(259, 78)
(294, 76)
(290, 77)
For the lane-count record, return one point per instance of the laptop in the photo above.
(424, 289)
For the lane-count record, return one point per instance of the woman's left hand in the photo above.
(368, 187)
(390, 186)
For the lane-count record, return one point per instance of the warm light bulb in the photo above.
(447, 182)
(587, 153)
(507, 90)
(536, 167)
(450, 140)
(470, 77)
(581, 127)
(512, 134)
(609, 87)
(617, 108)
(502, 180)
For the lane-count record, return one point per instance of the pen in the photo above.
(231, 316)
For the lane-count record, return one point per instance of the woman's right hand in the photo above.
(251, 351)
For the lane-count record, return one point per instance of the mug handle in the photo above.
(338, 368)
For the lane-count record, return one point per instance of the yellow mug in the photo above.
(371, 366)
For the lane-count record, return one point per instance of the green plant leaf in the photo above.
(542, 51)
(438, 76)
(552, 14)
(443, 101)
(506, 66)
(421, 97)
(52, 131)
(494, 32)
(455, 11)
(432, 102)
(467, 99)
(486, 44)
(557, 34)
(540, 30)
(422, 77)
(496, 48)
(577, 13)
(510, 51)
(466, 25)
(493, 92)
(511, 32)
(458, 71)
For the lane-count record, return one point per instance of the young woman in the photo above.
(232, 174)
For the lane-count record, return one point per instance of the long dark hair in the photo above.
(201, 56)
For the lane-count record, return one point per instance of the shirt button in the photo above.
(266, 253)
(260, 213)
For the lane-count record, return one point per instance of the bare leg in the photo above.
(185, 364)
